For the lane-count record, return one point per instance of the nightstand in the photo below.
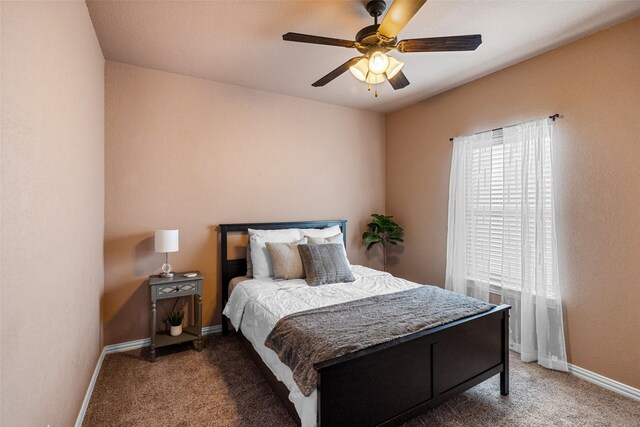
(176, 287)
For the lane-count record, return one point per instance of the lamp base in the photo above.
(167, 271)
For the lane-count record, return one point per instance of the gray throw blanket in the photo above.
(309, 337)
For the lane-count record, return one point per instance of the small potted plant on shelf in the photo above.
(383, 230)
(175, 321)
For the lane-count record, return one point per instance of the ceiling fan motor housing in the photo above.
(367, 39)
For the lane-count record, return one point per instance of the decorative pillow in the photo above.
(249, 264)
(320, 232)
(338, 238)
(260, 260)
(285, 259)
(325, 264)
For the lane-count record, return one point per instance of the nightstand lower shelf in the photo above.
(190, 333)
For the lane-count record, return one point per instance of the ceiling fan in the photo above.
(374, 41)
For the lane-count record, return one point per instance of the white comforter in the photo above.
(256, 305)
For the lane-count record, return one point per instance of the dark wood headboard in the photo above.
(238, 267)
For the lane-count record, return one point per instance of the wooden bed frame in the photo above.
(389, 383)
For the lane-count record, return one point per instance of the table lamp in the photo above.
(166, 241)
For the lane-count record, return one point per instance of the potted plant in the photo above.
(383, 230)
(175, 321)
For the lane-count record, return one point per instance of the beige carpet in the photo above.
(221, 386)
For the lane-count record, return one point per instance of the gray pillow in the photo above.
(325, 264)
(249, 264)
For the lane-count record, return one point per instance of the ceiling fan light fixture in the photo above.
(394, 67)
(378, 62)
(374, 41)
(361, 69)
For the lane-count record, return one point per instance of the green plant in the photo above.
(383, 230)
(175, 318)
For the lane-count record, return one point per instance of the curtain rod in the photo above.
(553, 117)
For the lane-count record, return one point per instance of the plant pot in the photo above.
(176, 330)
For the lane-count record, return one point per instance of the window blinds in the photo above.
(495, 198)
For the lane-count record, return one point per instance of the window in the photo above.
(502, 211)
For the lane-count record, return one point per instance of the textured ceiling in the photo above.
(240, 42)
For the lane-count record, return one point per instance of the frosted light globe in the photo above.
(378, 63)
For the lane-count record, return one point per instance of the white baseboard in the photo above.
(208, 330)
(87, 396)
(126, 346)
(605, 382)
(118, 348)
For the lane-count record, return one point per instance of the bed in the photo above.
(385, 384)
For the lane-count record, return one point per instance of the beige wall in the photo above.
(595, 85)
(52, 197)
(189, 153)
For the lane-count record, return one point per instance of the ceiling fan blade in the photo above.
(399, 14)
(306, 38)
(337, 72)
(440, 44)
(399, 81)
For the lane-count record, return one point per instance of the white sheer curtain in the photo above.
(467, 245)
(502, 236)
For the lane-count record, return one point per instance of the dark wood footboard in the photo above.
(392, 382)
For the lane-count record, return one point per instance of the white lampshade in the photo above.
(394, 67)
(166, 241)
(374, 79)
(361, 69)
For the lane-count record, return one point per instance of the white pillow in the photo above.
(320, 232)
(338, 238)
(260, 260)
